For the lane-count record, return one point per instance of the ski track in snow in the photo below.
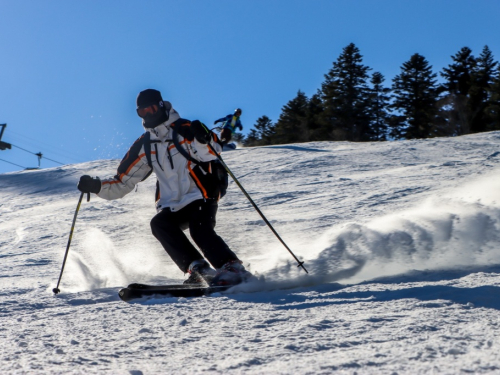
(401, 241)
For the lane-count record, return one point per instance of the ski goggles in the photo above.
(149, 110)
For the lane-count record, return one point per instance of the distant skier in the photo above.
(229, 125)
(190, 182)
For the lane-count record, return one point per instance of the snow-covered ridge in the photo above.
(401, 240)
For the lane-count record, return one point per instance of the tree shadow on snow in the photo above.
(298, 148)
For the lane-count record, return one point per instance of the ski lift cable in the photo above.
(17, 165)
(53, 150)
(39, 154)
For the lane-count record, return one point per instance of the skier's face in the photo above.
(148, 111)
(152, 115)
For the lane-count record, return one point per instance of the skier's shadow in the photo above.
(337, 294)
(430, 296)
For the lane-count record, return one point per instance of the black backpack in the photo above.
(210, 177)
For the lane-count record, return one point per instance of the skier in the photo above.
(190, 182)
(230, 123)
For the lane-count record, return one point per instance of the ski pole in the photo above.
(300, 264)
(56, 289)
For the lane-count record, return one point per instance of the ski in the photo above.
(135, 291)
(229, 147)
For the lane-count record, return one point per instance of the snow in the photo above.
(401, 241)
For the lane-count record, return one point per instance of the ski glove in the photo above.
(89, 184)
(200, 132)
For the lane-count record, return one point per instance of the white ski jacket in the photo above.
(176, 186)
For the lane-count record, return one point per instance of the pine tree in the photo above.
(493, 108)
(238, 137)
(292, 124)
(314, 112)
(415, 98)
(468, 87)
(459, 74)
(344, 96)
(261, 133)
(265, 130)
(459, 80)
(480, 90)
(251, 139)
(377, 109)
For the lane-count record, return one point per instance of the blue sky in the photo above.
(70, 71)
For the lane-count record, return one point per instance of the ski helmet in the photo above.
(148, 97)
(237, 110)
(158, 115)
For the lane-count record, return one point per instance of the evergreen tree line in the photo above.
(352, 105)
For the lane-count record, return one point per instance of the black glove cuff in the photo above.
(89, 184)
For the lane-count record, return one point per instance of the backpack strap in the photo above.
(176, 129)
(147, 148)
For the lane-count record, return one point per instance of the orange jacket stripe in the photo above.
(128, 170)
(197, 182)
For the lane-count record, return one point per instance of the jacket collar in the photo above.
(164, 131)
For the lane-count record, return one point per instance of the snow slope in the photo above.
(401, 241)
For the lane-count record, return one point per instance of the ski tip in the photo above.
(124, 294)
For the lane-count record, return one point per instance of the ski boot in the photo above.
(231, 273)
(200, 273)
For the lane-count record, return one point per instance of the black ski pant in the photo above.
(226, 135)
(199, 217)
